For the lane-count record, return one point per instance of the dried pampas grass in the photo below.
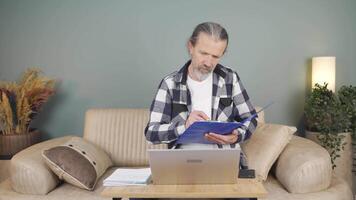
(21, 102)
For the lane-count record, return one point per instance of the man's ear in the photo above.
(190, 47)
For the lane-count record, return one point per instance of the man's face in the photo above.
(205, 55)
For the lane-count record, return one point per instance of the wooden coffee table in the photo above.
(244, 188)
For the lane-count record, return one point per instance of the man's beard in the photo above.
(202, 72)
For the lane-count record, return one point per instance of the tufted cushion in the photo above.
(77, 162)
(265, 145)
(304, 167)
(121, 134)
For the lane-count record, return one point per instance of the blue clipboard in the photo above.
(195, 133)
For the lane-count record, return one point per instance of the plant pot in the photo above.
(344, 162)
(11, 144)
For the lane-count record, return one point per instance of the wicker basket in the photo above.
(11, 144)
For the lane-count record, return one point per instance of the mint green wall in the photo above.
(113, 53)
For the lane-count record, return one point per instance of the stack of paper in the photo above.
(123, 176)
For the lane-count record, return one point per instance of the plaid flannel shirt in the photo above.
(172, 105)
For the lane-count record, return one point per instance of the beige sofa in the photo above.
(119, 132)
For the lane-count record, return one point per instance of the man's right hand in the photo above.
(195, 116)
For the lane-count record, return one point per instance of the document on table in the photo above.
(125, 176)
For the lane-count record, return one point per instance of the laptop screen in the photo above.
(194, 166)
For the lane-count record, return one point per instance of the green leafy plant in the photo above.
(347, 96)
(325, 113)
(21, 101)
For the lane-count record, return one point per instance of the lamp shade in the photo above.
(323, 71)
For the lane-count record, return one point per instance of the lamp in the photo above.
(323, 70)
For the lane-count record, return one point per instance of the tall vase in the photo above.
(343, 163)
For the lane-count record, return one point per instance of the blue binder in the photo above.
(195, 133)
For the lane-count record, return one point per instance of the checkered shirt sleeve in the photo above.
(244, 109)
(161, 128)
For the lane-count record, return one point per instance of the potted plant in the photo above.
(328, 124)
(347, 96)
(20, 102)
(326, 121)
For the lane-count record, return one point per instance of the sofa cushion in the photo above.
(265, 145)
(64, 191)
(28, 172)
(78, 162)
(338, 190)
(304, 167)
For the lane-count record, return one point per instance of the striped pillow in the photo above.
(78, 162)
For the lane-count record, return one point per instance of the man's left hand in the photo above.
(222, 139)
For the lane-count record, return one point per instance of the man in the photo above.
(202, 89)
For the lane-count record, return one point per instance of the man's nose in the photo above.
(208, 61)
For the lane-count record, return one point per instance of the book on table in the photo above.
(128, 176)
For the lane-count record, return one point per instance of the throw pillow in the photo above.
(304, 167)
(78, 162)
(29, 174)
(265, 145)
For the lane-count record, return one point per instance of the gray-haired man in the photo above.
(202, 89)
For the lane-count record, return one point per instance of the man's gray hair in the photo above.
(211, 28)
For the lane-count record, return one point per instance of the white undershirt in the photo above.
(201, 95)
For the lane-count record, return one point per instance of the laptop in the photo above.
(194, 166)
